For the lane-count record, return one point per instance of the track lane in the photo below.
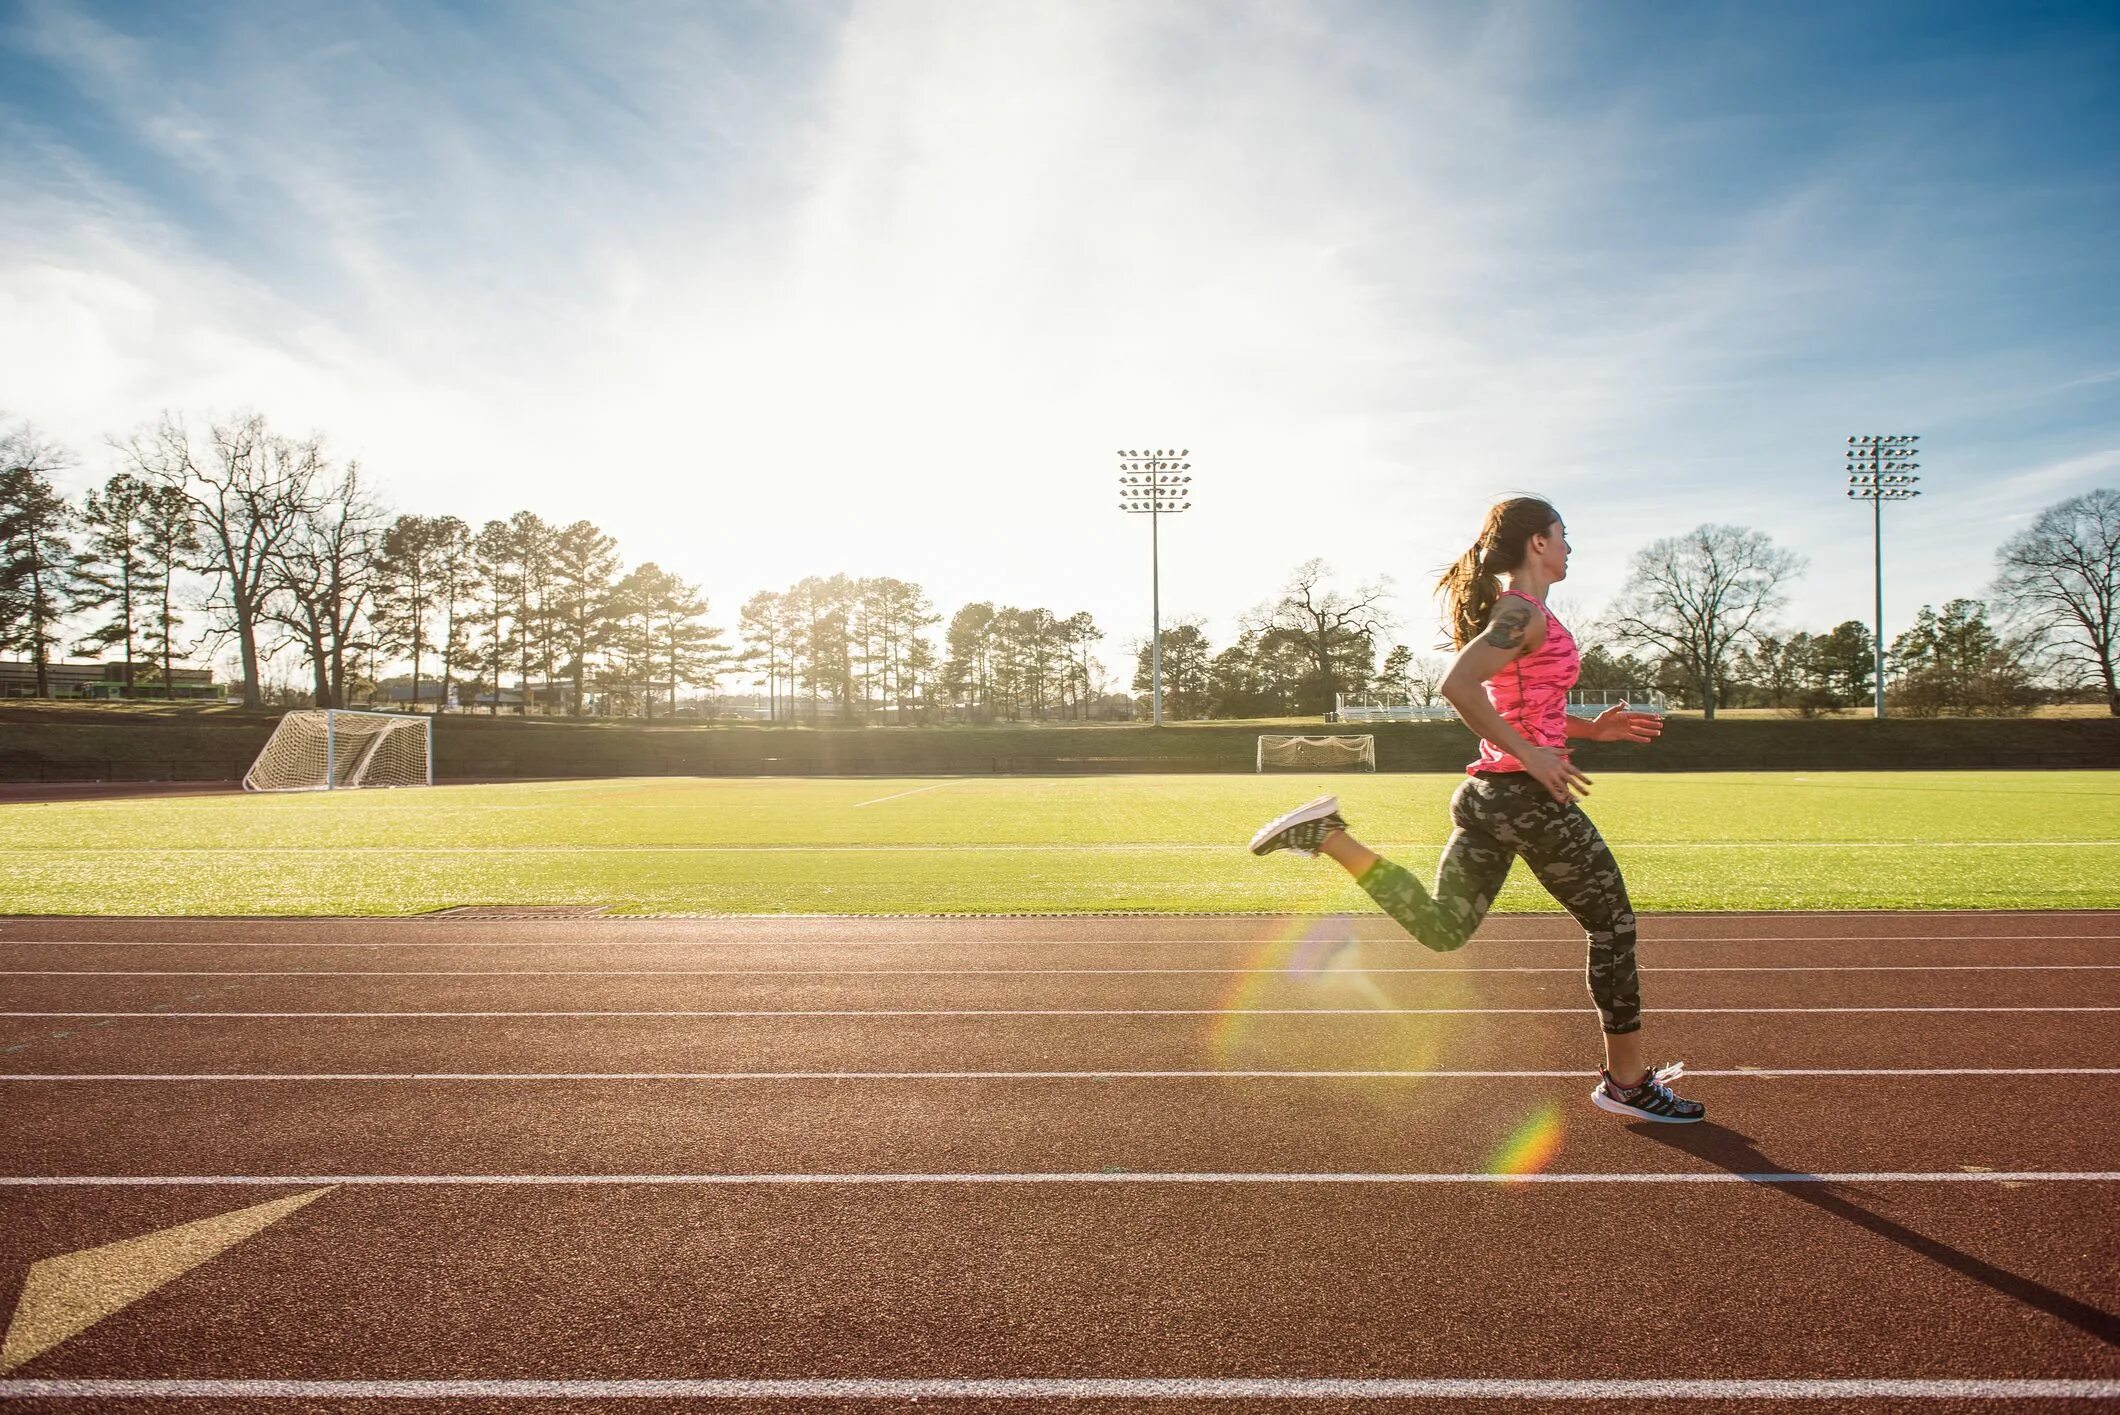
(2058, 1252)
(868, 959)
(1544, 1041)
(1878, 1397)
(752, 929)
(1436, 1125)
(1342, 984)
(982, 1281)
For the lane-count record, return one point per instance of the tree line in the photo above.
(284, 551)
(1696, 620)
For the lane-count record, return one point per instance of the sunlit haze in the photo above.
(774, 290)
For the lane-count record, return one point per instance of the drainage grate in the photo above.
(520, 911)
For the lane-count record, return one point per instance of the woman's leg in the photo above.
(1470, 874)
(1571, 859)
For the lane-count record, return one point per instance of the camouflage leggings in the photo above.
(1499, 817)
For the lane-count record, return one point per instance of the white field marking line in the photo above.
(1742, 1073)
(896, 1013)
(881, 799)
(1304, 974)
(982, 847)
(1481, 1177)
(1048, 943)
(1217, 1388)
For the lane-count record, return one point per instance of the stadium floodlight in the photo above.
(1881, 469)
(1151, 484)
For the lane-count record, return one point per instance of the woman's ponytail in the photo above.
(1469, 590)
(1471, 586)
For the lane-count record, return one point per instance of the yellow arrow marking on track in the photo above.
(66, 1295)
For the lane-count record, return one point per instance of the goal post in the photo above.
(1346, 753)
(339, 749)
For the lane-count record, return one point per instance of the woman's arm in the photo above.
(1515, 629)
(1617, 724)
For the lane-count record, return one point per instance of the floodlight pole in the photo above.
(1152, 484)
(1881, 469)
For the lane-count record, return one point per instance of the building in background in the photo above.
(18, 679)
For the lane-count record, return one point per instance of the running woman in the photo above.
(1509, 682)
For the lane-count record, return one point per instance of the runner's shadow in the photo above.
(1729, 1150)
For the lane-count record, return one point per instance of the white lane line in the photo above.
(898, 1013)
(1300, 974)
(877, 802)
(960, 847)
(1746, 1072)
(1217, 1388)
(600, 944)
(1775, 1177)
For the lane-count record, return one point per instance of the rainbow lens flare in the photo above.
(1317, 963)
(1532, 1145)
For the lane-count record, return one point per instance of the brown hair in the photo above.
(1470, 587)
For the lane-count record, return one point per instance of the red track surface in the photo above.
(1116, 1272)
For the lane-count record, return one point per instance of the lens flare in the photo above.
(1532, 1145)
(1318, 963)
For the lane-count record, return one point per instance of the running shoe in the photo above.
(1653, 1099)
(1301, 830)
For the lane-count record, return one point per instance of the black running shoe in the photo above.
(1301, 830)
(1653, 1099)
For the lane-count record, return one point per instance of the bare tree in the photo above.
(1335, 632)
(2062, 576)
(324, 576)
(1693, 599)
(250, 491)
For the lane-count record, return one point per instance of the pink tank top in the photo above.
(1531, 694)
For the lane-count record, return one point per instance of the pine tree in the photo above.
(410, 588)
(113, 572)
(169, 542)
(584, 566)
(36, 556)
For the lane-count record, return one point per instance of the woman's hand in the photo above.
(1556, 773)
(1616, 724)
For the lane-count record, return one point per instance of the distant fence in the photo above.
(1583, 702)
(115, 768)
(91, 748)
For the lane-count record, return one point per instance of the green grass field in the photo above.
(1003, 844)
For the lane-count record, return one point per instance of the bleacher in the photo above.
(1584, 702)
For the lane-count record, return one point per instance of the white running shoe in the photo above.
(1653, 1099)
(1301, 830)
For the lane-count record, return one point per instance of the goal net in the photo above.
(334, 750)
(1317, 753)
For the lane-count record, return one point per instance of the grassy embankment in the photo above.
(65, 742)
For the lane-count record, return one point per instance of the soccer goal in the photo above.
(334, 749)
(1317, 753)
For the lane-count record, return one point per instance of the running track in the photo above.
(1043, 1164)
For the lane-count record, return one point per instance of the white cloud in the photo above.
(884, 297)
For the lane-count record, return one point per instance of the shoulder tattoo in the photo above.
(1512, 620)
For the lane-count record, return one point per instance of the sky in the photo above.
(785, 288)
